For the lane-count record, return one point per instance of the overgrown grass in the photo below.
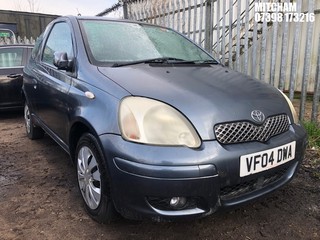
(312, 160)
(313, 130)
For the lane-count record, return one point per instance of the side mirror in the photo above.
(62, 62)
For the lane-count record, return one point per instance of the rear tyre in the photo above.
(93, 180)
(33, 132)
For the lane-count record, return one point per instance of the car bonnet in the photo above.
(206, 95)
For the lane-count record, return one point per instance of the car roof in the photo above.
(101, 18)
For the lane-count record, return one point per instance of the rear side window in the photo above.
(11, 57)
(59, 40)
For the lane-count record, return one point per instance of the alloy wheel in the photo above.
(27, 118)
(89, 177)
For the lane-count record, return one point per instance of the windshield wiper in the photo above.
(206, 62)
(168, 60)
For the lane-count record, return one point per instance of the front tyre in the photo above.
(33, 132)
(93, 180)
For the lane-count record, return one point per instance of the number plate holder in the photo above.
(264, 160)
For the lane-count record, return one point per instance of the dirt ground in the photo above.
(39, 199)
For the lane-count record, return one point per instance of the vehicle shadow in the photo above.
(11, 114)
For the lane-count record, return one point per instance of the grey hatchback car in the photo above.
(155, 126)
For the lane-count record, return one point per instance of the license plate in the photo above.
(264, 160)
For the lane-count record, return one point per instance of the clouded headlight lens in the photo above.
(293, 111)
(149, 121)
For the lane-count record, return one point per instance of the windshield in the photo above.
(121, 42)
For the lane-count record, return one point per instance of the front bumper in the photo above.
(144, 178)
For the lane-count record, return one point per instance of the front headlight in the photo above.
(149, 121)
(293, 111)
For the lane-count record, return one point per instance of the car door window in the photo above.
(59, 40)
(11, 57)
(37, 45)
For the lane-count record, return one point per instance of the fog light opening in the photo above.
(178, 202)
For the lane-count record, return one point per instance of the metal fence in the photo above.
(286, 54)
(16, 40)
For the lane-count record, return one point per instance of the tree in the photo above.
(30, 6)
(33, 5)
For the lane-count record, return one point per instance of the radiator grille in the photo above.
(239, 132)
(231, 192)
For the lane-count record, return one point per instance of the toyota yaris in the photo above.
(155, 126)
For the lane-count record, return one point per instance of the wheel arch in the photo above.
(77, 129)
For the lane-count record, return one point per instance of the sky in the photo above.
(61, 7)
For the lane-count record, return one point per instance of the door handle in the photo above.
(14, 75)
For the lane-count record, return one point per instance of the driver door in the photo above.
(54, 84)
